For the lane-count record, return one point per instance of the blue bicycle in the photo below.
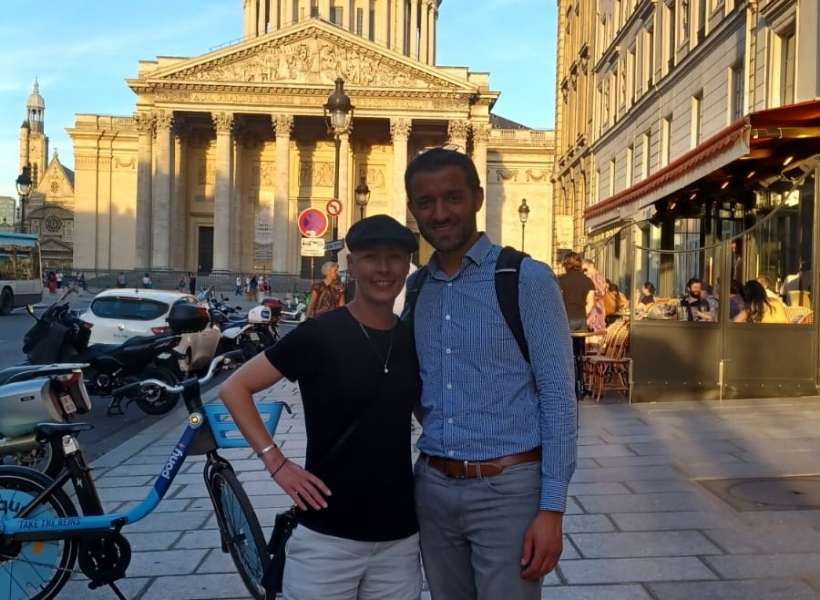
(42, 536)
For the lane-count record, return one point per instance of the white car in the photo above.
(120, 314)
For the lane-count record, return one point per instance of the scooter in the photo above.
(294, 310)
(59, 335)
(259, 332)
(34, 394)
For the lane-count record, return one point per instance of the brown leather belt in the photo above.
(465, 469)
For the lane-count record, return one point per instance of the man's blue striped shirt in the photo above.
(480, 399)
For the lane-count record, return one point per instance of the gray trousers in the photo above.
(472, 532)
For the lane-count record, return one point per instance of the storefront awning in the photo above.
(751, 148)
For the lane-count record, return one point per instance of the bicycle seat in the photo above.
(49, 431)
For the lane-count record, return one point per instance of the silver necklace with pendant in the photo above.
(376, 350)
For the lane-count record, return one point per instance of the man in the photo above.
(499, 434)
(357, 537)
(694, 304)
(121, 281)
(767, 285)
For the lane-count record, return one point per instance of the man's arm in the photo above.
(547, 332)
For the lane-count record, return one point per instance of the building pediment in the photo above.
(312, 53)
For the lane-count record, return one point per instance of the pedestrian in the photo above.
(597, 318)
(357, 532)
(182, 283)
(254, 286)
(327, 294)
(248, 287)
(121, 280)
(192, 283)
(51, 281)
(578, 292)
(146, 281)
(81, 282)
(498, 410)
(263, 288)
(238, 290)
(59, 277)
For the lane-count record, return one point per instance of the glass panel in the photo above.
(128, 308)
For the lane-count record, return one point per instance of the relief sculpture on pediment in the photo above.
(313, 61)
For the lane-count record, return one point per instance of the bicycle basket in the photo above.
(225, 432)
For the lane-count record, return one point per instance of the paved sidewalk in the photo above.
(640, 524)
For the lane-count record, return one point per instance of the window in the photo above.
(649, 53)
(696, 122)
(337, 15)
(611, 177)
(645, 155)
(295, 11)
(359, 21)
(736, 93)
(630, 151)
(371, 35)
(314, 8)
(787, 66)
(622, 83)
(672, 38)
(633, 76)
(684, 21)
(596, 192)
(701, 19)
(666, 140)
(133, 309)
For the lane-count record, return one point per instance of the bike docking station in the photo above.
(42, 535)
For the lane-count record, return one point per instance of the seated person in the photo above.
(736, 303)
(695, 307)
(767, 285)
(759, 307)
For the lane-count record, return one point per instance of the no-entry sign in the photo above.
(312, 222)
(334, 208)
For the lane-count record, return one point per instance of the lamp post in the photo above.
(362, 197)
(24, 184)
(523, 214)
(339, 115)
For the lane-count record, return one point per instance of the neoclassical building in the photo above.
(224, 150)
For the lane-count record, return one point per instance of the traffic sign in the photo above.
(313, 247)
(312, 222)
(334, 246)
(334, 207)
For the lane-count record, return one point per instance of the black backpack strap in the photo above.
(507, 271)
(411, 297)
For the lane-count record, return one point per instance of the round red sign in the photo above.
(334, 208)
(312, 222)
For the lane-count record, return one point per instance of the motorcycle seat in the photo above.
(21, 373)
(49, 431)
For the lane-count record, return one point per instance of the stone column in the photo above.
(161, 199)
(281, 197)
(400, 20)
(145, 128)
(324, 9)
(425, 39)
(382, 23)
(253, 20)
(179, 204)
(457, 131)
(348, 203)
(223, 123)
(414, 22)
(433, 26)
(366, 19)
(260, 18)
(237, 204)
(400, 131)
(481, 138)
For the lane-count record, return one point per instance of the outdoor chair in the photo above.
(798, 298)
(611, 369)
(796, 314)
(807, 319)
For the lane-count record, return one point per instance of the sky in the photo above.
(83, 50)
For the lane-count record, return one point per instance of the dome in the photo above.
(35, 100)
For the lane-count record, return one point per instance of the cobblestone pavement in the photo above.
(640, 523)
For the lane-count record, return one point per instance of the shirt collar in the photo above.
(477, 253)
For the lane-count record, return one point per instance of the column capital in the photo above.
(164, 119)
(400, 127)
(458, 129)
(223, 122)
(481, 132)
(144, 122)
(283, 124)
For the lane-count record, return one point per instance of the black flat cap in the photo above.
(380, 229)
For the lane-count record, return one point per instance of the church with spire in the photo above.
(50, 209)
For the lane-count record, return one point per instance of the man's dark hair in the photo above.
(440, 158)
(692, 281)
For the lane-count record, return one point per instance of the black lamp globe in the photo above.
(338, 109)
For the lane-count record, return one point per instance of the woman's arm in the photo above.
(742, 316)
(590, 302)
(314, 296)
(237, 393)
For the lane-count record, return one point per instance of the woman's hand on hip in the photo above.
(304, 488)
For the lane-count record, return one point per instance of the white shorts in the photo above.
(332, 568)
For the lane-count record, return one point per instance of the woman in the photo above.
(759, 307)
(327, 294)
(578, 292)
(356, 366)
(646, 295)
(596, 320)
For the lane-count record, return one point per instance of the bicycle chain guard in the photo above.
(104, 559)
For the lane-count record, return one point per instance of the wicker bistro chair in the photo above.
(611, 370)
(796, 314)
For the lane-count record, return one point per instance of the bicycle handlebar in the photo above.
(219, 361)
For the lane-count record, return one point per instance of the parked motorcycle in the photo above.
(30, 395)
(59, 335)
(294, 310)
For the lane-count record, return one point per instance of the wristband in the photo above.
(279, 468)
(266, 449)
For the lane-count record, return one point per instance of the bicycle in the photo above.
(42, 535)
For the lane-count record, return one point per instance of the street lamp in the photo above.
(362, 197)
(339, 115)
(523, 214)
(24, 184)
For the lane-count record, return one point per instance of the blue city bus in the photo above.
(21, 279)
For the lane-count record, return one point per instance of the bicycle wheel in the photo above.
(35, 570)
(242, 533)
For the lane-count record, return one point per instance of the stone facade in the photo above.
(224, 150)
(670, 75)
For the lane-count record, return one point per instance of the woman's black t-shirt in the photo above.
(341, 374)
